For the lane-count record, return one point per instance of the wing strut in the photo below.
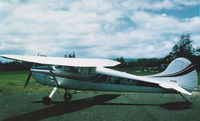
(29, 77)
(54, 78)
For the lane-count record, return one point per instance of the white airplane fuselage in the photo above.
(96, 81)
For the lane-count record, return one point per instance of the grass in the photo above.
(13, 82)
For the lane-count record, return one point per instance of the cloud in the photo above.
(158, 4)
(196, 40)
(165, 24)
(148, 5)
(99, 28)
(186, 2)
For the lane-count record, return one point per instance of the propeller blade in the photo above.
(29, 76)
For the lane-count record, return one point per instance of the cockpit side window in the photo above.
(70, 69)
(77, 70)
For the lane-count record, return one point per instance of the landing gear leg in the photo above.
(67, 96)
(48, 99)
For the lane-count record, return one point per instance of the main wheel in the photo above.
(46, 100)
(67, 97)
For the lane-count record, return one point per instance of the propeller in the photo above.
(29, 77)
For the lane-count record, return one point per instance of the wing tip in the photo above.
(2, 55)
(5, 56)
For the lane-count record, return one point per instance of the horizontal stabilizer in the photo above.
(175, 87)
(77, 62)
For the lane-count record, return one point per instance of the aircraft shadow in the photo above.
(60, 107)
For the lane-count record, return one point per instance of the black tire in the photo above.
(67, 97)
(46, 100)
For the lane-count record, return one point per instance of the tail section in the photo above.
(182, 72)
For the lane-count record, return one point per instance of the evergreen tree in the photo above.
(121, 60)
(71, 55)
(183, 48)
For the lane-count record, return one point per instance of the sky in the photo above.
(97, 28)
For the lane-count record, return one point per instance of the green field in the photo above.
(13, 82)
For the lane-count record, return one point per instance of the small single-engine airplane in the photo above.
(92, 74)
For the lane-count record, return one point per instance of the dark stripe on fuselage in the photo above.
(185, 71)
(124, 81)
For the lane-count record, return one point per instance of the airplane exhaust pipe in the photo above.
(29, 77)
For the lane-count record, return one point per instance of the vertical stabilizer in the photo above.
(182, 71)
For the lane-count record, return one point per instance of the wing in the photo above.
(144, 79)
(77, 62)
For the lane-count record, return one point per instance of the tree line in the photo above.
(183, 48)
(15, 65)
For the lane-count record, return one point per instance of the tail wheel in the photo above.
(46, 100)
(67, 97)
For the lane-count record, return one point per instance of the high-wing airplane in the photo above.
(93, 74)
